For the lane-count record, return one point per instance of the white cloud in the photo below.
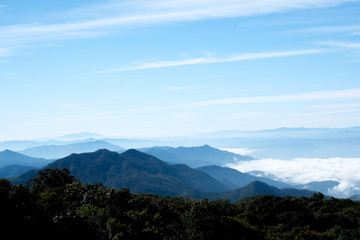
(207, 60)
(181, 88)
(98, 18)
(240, 151)
(333, 29)
(342, 44)
(336, 106)
(304, 170)
(4, 52)
(311, 96)
(190, 110)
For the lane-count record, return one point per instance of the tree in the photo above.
(52, 179)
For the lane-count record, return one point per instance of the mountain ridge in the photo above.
(8, 157)
(60, 151)
(141, 172)
(195, 156)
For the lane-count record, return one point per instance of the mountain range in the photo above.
(141, 172)
(13, 164)
(281, 143)
(60, 151)
(236, 179)
(195, 156)
(8, 157)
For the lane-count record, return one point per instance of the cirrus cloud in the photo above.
(97, 19)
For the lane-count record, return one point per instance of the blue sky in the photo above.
(164, 68)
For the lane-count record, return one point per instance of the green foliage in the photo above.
(57, 206)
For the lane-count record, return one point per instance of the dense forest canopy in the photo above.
(56, 205)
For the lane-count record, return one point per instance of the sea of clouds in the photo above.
(305, 170)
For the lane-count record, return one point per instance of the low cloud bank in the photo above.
(305, 170)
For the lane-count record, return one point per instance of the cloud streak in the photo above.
(342, 44)
(128, 13)
(4, 52)
(209, 60)
(311, 96)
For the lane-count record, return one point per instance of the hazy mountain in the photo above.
(12, 171)
(59, 151)
(195, 156)
(78, 136)
(8, 157)
(260, 188)
(138, 171)
(235, 179)
(320, 186)
(282, 143)
(288, 143)
(355, 197)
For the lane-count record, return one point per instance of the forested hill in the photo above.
(143, 173)
(55, 205)
(136, 170)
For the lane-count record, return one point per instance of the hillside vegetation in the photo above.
(56, 205)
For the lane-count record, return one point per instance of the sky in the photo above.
(177, 67)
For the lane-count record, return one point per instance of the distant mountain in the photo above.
(138, 171)
(195, 156)
(235, 179)
(355, 197)
(12, 171)
(60, 151)
(8, 157)
(78, 136)
(260, 188)
(320, 186)
(288, 143)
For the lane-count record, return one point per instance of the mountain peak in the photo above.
(135, 153)
(7, 151)
(206, 146)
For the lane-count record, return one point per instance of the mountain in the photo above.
(12, 171)
(235, 179)
(195, 156)
(8, 157)
(78, 136)
(136, 170)
(59, 151)
(260, 188)
(288, 143)
(143, 173)
(319, 186)
(355, 197)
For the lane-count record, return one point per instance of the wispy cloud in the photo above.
(96, 20)
(182, 88)
(342, 44)
(333, 29)
(241, 151)
(208, 60)
(4, 52)
(336, 106)
(311, 96)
